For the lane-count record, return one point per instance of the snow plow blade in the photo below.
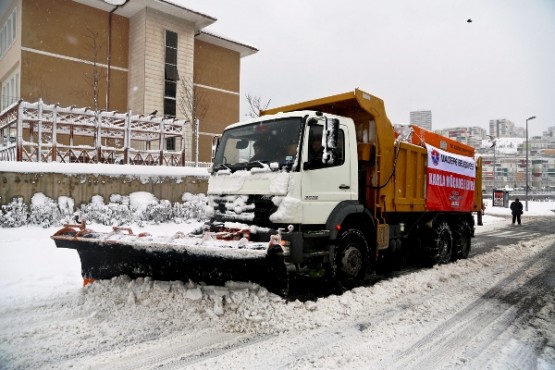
(201, 259)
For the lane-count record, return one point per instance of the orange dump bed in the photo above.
(421, 136)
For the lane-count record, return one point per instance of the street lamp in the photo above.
(493, 145)
(527, 119)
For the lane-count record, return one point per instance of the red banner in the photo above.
(450, 181)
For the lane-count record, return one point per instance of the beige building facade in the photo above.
(142, 56)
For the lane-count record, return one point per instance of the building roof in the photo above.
(131, 7)
(199, 20)
(215, 39)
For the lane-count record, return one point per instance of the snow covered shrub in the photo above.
(44, 211)
(139, 201)
(14, 214)
(201, 202)
(119, 199)
(96, 211)
(120, 210)
(66, 205)
(158, 212)
(178, 213)
(193, 207)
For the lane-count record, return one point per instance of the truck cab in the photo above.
(301, 164)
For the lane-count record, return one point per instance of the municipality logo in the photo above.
(435, 157)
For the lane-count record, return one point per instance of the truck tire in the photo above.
(350, 260)
(438, 244)
(461, 240)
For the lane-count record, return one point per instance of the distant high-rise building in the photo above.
(422, 118)
(550, 133)
(502, 128)
(472, 136)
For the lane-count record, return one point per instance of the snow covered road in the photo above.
(494, 310)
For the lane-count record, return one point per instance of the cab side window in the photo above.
(316, 149)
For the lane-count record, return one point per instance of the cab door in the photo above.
(325, 185)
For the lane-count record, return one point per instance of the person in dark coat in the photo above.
(516, 210)
(259, 152)
(316, 152)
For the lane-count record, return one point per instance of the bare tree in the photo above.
(192, 103)
(256, 105)
(93, 79)
(97, 74)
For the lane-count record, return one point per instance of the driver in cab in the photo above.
(259, 152)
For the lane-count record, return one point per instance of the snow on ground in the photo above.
(47, 320)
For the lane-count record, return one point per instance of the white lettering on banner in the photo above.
(450, 181)
(449, 162)
(457, 162)
(436, 179)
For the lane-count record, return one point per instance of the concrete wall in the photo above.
(81, 187)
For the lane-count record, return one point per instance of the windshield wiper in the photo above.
(222, 166)
(262, 164)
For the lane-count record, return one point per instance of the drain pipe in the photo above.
(118, 4)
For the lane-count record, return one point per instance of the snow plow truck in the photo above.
(323, 186)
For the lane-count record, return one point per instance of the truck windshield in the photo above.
(260, 143)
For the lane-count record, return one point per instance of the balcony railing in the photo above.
(38, 132)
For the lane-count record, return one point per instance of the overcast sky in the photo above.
(415, 55)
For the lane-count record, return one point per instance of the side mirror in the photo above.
(331, 132)
(329, 140)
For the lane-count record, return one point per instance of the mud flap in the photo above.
(277, 278)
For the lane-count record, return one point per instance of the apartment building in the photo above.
(422, 118)
(143, 56)
(503, 128)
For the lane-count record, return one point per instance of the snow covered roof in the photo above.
(199, 20)
(130, 8)
(218, 40)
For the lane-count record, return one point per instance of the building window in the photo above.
(8, 33)
(10, 91)
(171, 76)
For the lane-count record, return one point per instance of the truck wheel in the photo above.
(461, 240)
(439, 244)
(350, 260)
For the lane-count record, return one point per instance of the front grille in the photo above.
(251, 209)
